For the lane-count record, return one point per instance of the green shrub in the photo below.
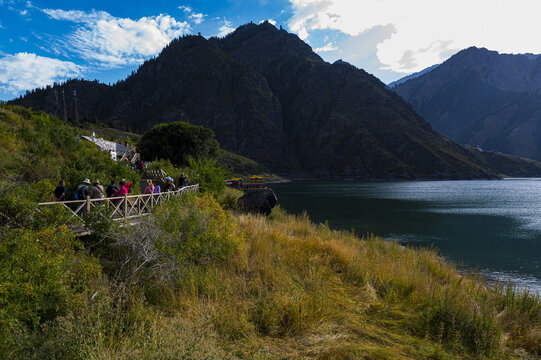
(278, 214)
(194, 230)
(205, 232)
(229, 198)
(41, 277)
(19, 207)
(209, 176)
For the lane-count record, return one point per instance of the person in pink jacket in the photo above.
(150, 187)
(123, 190)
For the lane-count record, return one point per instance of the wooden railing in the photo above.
(122, 207)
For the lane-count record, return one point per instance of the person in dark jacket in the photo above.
(111, 189)
(183, 181)
(60, 191)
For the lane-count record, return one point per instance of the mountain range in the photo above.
(483, 98)
(269, 97)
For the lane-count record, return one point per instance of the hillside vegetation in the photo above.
(35, 146)
(196, 281)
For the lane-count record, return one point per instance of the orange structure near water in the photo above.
(252, 183)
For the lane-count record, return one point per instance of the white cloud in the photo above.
(326, 48)
(25, 71)
(426, 32)
(226, 28)
(197, 18)
(110, 42)
(273, 22)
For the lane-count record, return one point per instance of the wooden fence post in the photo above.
(87, 204)
(125, 205)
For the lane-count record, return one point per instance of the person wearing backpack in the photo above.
(83, 190)
(97, 190)
(111, 189)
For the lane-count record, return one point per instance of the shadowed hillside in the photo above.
(480, 97)
(268, 96)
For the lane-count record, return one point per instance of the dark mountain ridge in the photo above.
(268, 96)
(484, 98)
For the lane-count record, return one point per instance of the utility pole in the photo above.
(76, 112)
(56, 102)
(64, 102)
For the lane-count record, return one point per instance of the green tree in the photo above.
(205, 172)
(176, 141)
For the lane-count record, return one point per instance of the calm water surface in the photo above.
(494, 226)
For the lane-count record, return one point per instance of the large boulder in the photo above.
(258, 201)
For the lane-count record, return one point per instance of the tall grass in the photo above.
(301, 290)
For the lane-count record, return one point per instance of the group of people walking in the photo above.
(93, 190)
(153, 188)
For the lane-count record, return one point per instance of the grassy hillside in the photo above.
(35, 146)
(239, 165)
(509, 165)
(196, 281)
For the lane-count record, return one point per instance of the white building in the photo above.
(115, 149)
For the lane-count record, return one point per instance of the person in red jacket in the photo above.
(122, 191)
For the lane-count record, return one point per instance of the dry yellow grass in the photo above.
(302, 291)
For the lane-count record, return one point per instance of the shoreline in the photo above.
(525, 280)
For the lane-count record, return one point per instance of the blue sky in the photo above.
(44, 41)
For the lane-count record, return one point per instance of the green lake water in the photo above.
(493, 226)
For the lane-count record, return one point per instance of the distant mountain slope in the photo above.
(268, 96)
(483, 98)
(412, 76)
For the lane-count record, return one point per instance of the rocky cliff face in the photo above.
(480, 97)
(268, 96)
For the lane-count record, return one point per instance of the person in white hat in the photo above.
(83, 190)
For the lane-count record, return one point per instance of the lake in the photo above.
(493, 225)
